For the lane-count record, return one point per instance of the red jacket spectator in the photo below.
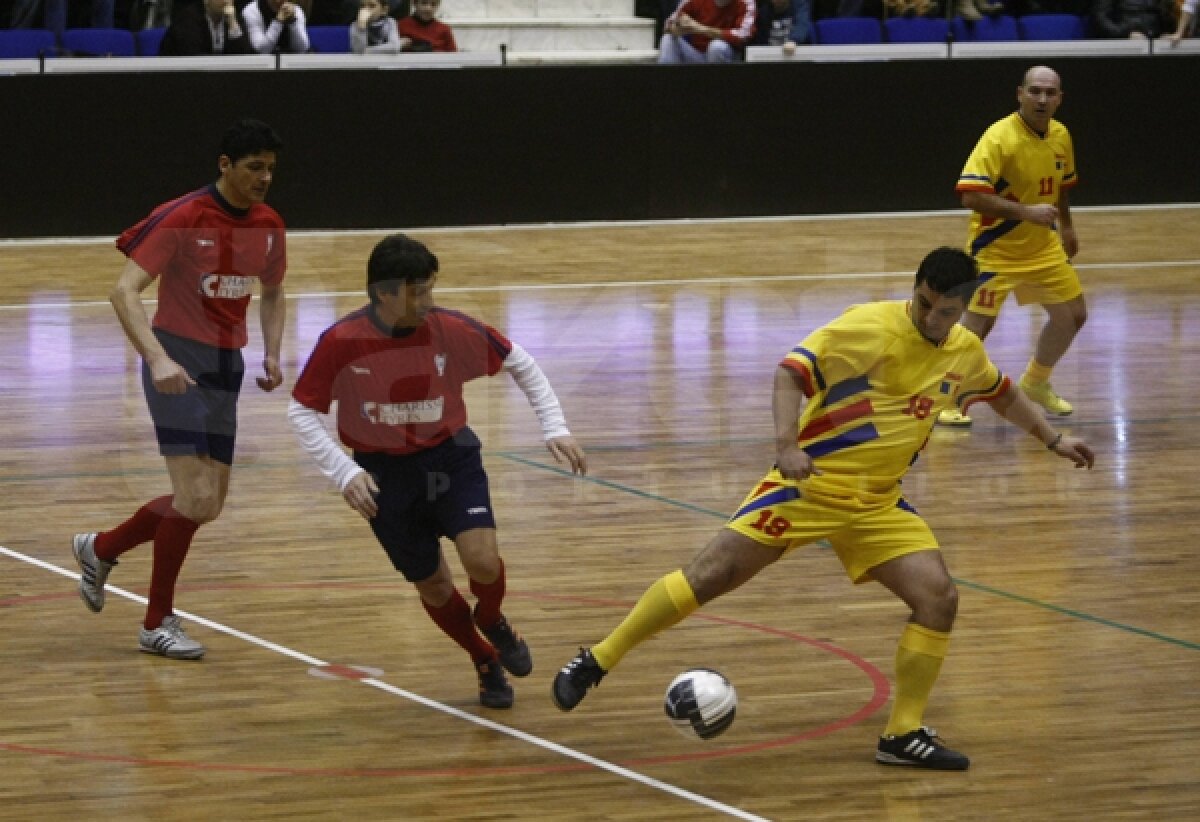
(425, 32)
(734, 19)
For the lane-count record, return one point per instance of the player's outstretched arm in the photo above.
(1015, 407)
(533, 383)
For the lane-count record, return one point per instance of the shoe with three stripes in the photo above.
(571, 684)
(93, 571)
(170, 641)
(920, 748)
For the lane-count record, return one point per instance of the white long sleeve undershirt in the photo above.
(340, 468)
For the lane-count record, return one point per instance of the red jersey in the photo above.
(206, 255)
(736, 21)
(399, 394)
(436, 33)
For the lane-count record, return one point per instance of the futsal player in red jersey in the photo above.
(396, 369)
(206, 250)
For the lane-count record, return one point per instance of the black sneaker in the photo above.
(572, 682)
(494, 690)
(514, 653)
(921, 748)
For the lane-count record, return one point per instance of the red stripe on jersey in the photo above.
(1005, 384)
(835, 418)
(801, 371)
(764, 488)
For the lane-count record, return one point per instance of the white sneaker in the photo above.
(170, 641)
(93, 571)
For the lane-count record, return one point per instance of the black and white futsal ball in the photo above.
(700, 702)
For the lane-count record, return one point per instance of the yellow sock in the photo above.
(1036, 373)
(918, 662)
(666, 602)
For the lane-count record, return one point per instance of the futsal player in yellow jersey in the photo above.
(874, 380)
(1015, 182)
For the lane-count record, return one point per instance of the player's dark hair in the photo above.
(398, 259)
(246, 137)
(949, 271)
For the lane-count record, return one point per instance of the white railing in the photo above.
(968, 50)
(500, 57)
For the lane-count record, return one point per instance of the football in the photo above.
(700, 702)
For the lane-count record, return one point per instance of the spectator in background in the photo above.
(374, 32)
(276, 26)
(707, 31)
(213, 27)
(424, 31)
(786, 23)
(1133, 19)
(54, 14)
(1186, 15)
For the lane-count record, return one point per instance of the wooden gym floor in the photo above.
(1074, 675)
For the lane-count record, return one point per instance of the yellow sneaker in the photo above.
(1044, 395)
(952, 416)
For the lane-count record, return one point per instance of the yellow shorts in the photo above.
(1048, 285)
(778, 515)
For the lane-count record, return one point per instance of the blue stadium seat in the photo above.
(916, 29)
(149, 41)
(847, 30)
(991, 29)
(99, 42)
(1050, 27)
(17, 44)
(329, 39)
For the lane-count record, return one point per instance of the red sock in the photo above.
(171, 543)
(490, 594)
(454, 618)
(134, 531)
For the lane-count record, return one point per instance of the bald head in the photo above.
(1038, 97)
(1041, 75)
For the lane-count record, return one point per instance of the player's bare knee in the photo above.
(1079, 315)
(941, 606)
(435, 590)
(199, 506)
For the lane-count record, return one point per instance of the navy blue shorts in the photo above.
(202, 421)
(439, 492)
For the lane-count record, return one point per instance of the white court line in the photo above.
(781, 218)
(546, 744)
(683, 281)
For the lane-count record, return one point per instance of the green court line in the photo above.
(987, 589)
(658, 498)
(616, 486)
(1071, 612)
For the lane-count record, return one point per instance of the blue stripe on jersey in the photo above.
(904, 505)
(982, 178)
(849, 439)
(990, 236)
(777, 496)
(501, 349)
(812, 361)
(153, 222)
(846, 388)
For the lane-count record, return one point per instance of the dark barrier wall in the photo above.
(90, 154)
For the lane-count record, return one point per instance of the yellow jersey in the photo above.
(875, 386)
(1015, 162)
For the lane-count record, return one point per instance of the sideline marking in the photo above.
(546, 744)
